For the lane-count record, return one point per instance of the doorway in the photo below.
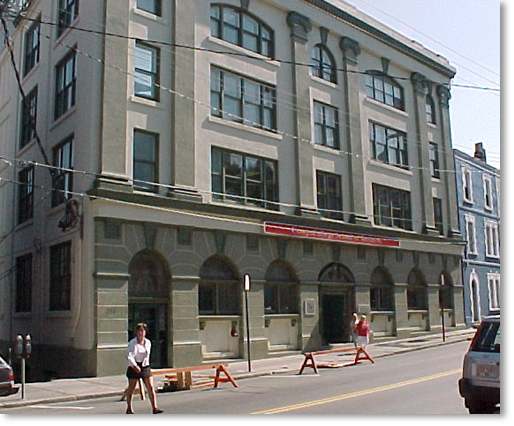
(155, 315)
(335, 318)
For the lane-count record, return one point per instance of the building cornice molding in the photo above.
(300, 26)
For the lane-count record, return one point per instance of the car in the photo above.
(480, 382)
(6, 379)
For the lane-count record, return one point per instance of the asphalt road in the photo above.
(417, 383)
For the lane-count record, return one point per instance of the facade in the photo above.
(478, 193)
(327, 183)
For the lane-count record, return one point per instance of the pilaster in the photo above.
(401, 310)
(434, 311)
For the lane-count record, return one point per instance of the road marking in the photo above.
(54, 407)
(357, 394)
(280, 376)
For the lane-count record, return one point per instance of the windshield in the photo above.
(489, 338)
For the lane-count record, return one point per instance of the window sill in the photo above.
(436, 179)
(63, 35)
(28, 223)
(244, 207)
(244, 127)
(26, 147)
(381, 313)
(30, 73)
(492, 257)
(333, 151)
(58, 314)
(56, 209)
(432, 125)
(279, 316)
(146, 102)
(386, 107)
(467, 201)
(218, 317)
(242, 50)
(63, 117)
(393, 228)
(386, 166)
(488, 208)
(22, 315)
(323, 82)
(150, 16)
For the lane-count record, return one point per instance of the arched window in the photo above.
(381, 291)
(446, 291)
(280, 290)
(238, 27)
(336, 273)
(323, 64)
(384, 89)
(149, 276)
(416, 290)
(219, 291)
(430, 109)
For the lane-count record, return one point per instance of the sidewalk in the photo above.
(65, 390)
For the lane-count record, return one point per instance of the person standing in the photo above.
(353, 328)
(138, 357)
(363, 331)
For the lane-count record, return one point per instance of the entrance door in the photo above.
(335, 329)
(155, 316)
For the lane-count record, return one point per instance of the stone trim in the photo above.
(300, 26)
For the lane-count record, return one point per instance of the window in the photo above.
(384, 89)
(326, 125)
(68, 12)
(280, 290)
(330, 201)
(467, 185)
(145, 160)
(388, 145)
(238, 27)
(493, 282)
(488, 192)
(446, 291)
(243, 100)
(252, 243)
(29, 118)
(416, 291)
(25, 194)
(438, 215)
(146, 71)
(433, 153)
(60, 277)
(24, 283)
(323, 64)
(32, 42)
(381, 291)
(63, 180)
(470, 234)
(244, 179)
(392, 207)
(219, 292)
(430, 109)
(65, 85)
(491, 239)
(150, 6)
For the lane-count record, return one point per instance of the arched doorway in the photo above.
(336, 298)
(381, 295)
(148, 302)
(475, 298)
(281, 307)
(219, 305)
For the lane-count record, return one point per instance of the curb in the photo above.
(242, 376)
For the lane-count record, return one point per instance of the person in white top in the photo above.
(138, 357)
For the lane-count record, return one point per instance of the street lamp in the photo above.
(247, 281)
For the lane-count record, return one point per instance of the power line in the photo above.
(223, 52)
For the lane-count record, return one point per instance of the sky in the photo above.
(467, 32)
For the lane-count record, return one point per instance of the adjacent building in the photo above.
(302, 142)
(478, 189)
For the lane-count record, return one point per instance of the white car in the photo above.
(480, 382)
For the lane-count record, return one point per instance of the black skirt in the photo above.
(133, 374)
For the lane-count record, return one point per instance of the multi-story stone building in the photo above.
(301, 142)
(478, 189)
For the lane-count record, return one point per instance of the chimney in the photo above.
(480, 152)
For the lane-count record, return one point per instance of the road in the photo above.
(417, 383)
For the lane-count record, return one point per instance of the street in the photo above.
(416, 383)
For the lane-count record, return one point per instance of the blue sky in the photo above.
(467, 32)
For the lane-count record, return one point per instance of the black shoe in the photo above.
(129, 411)
(157, 411)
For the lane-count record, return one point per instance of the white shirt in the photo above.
(139, 352)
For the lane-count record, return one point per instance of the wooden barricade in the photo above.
(360, 355)
(182, 378)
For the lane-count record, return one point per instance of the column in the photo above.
(401, 310)
(113, 146)
(258, 342)
(458, 305)
(419, 83)
(353, 133)
(183, 117)
(186, 349)
(304, 151)
(434, 313)
(448, 162)
(310, 338)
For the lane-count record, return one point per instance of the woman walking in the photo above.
(353, 328)
(363, 331)
(138, 357)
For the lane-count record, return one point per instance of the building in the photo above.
(478, 194)
(328, 183)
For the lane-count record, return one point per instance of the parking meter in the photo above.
(18, 346)
(28, 346)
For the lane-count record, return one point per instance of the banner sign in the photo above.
(327, 235)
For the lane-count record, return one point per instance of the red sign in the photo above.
(326, 235)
